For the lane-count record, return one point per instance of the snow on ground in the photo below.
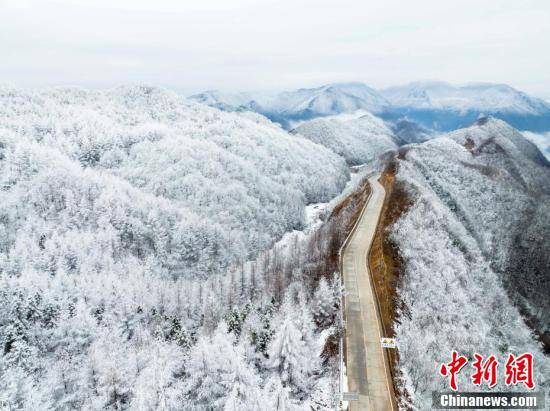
(316, 213)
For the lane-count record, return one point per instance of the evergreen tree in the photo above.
(219, 377)
(279, 396)
(288, 353)
(324, 304)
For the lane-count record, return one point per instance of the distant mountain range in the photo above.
(290, 107)
(434, 106)
(443, 107)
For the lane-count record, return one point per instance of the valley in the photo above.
(247, 205)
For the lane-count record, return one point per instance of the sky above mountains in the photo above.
(232, 45)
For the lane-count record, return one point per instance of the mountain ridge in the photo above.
(289, 107)
(473, 241)
(433, 105)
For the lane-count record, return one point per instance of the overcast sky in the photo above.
(193, 45)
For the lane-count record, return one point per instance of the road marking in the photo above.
(350, 396)
(367, 371)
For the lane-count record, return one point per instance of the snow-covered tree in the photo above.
(218, 375)
(279, 396)
(325, 304)
(289, 353)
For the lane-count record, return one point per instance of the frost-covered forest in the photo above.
(359, 139)
(167, 174)
(474, 246)
(127, 218)
(156, 254)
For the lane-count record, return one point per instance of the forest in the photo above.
(359, 138)
(139, 265)
(472, 248)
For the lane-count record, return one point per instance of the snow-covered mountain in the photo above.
(224, 101)
(328, 100)
(474, 247)
(124, 215)
(290, 107)
(158, 148)
(436, 106)
(479, 97)
(137, 261)
(442, 106)
(358, 140)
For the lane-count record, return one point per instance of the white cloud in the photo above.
(250, 44)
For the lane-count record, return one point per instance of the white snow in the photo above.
(238, 183)
(124, 218)
(359, 139)
(476, 97)
(474, 203)
(321, 101)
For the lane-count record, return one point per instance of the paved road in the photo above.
(366, 363)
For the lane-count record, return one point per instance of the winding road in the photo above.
(369, 379)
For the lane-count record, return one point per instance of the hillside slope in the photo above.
(473, 249)
(205, 174)
(126, 218)
(358, 140)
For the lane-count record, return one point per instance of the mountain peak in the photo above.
(434, 105)
(492, 136)
(290, 107)
(482, 97)
(348, 84)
